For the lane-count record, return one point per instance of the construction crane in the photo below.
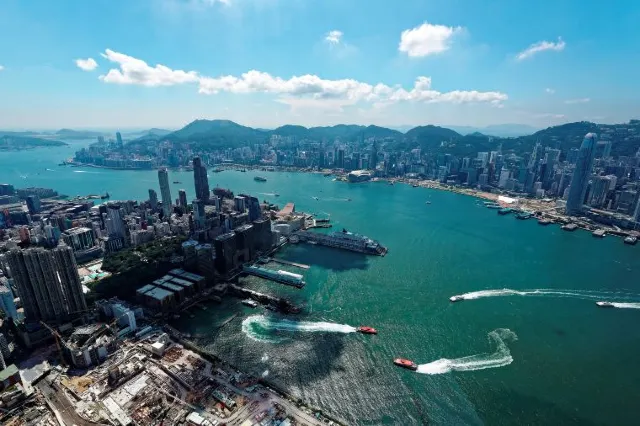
(58, 341)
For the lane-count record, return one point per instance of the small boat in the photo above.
(390, 183)
(366, 330)
(605, 304)
(569, 227)
(456, 298)
(348, 199)
(415, 185)
(427, 202)
(544, 222)
(276, 195)
(504, 211)
(177, 181)
(105, 196)
(250, 303)
(260, 179)
(316, 198)
(523, 216)
(327, 174)
(405, 363)
(631, 240)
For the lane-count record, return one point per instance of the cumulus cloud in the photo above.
(307, 89)
(541, 46)
(427, 39)
(334, 37)
(88, 64)
(137, 71)
(577, 101)
(549, 91)
(550, 115)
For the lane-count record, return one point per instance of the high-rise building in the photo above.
(245, 243)
(206, 266)
(165, 191)
(79, 238)
(373, 158)
(119, 139)
(115, 221)
(599, 190)
(225, 246)
(581, 174)
(182, 198)
(153, 200)
(33, 204)
(48, 283)
(239, 204)
(263, 236)
(199, 216)
(200, 179)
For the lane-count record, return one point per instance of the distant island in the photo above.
(18, 142)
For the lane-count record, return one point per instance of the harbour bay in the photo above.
(572, 362)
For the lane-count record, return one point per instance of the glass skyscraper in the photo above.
(581, 174)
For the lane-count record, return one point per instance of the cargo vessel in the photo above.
(344, 240)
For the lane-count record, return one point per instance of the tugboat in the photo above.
(366, 330)
(405, 363)
(605, 304)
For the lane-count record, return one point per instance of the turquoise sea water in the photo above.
(550, 357)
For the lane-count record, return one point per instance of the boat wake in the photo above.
(500, 358)
(579, 294)
(258, 327)
(623, 305)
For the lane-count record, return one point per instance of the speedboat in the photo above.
(276, 195)
(456, 298)
(366, 330)
(405, 363)
(605, 304)
(250, 303)
(427, 202)
(316, 198)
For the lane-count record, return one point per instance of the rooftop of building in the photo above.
(173, 287)
(181, 282)
(145, 289)
(226, 236)
(244, 228)
(159, 293)
(8, 372)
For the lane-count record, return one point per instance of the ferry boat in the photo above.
(493, 206)
(605, 304)
(631, 240)
(344, 240)
(366, 330)
(250, 303)
(260, 179)
(405, 363)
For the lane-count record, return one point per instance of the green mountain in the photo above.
(221, 133)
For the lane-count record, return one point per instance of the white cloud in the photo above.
(541, 46)
(549, 91)
(334, 37)
(136, 71)
(307, 89)
(549, 115)
(577, 101)
(88, 64)
(427, 39)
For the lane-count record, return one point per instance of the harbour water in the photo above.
(540, 352)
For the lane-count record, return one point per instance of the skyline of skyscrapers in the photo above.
(165, 191)
(48, 283)
(581, 174)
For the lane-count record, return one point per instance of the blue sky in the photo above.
(264, 63)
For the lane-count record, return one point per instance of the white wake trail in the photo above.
(623, 305)
(579, 294)
(255, 326)
(500, 358)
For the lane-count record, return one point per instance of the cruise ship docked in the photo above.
(283, 277)
(344, 240)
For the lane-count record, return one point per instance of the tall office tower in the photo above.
(245, 243)
(119, 139)
(225, 246)
(252, 204)
(153, 200)
(115, 221)
(165, 191)
(182, 198)
(199, 215)
(200, 179)
(373, 158)
(599, 190)
(535, 156)
(48, 283)
(340, 160)
(4, 346)
(206, 266)
(33, 204)
(263, 236)
(584, 164)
